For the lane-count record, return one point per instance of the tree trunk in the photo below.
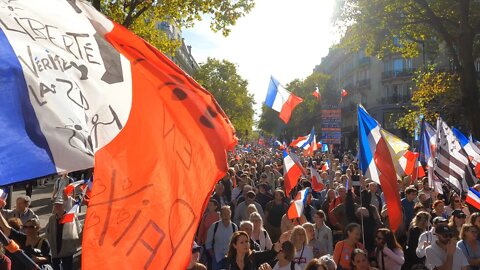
(468, 78)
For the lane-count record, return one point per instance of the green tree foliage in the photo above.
(229, 89)
(400, 26)
(438, 94)
(305, 115)
(144, 16)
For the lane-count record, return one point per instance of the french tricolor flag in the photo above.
(281, 100)
(70, 215)
(377, 164)
(473, 198)
(317, 182)
(297, 206)
(291, 172)
(472, 150)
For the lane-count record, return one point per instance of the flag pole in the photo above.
(361, 217)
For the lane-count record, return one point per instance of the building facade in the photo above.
(183, 56)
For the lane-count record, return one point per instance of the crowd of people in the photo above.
(343, 226)
(51, 247)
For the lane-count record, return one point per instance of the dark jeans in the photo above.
(64, 263)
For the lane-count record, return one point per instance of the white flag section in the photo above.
(74, 89)
(451, 163)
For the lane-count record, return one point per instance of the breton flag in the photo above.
(78, 90)
(298, 204)
(473, 198)
(472, 150)
(317, 182)
(316, 93)
(377, 164)
(427, 152)
(291, 172)
(451, 162)
(281, 100)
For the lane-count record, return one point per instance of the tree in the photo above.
(229, 89)
(438, 94)
(400, 26)
(143, 17)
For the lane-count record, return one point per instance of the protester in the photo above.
(64, 238)
(418, 225)
(456, 222)
(259, 234)
(312, 242)
(323, 234)
(240, 256)
(22, 209)
(359, 261)
(285, 258)
(303, 252)
(194, 264)
(241, 209)
(218, 237)
(274, 212)
(456, 203)
(343, 249)
(247, 226)
(444, 253)
(439, 209)
(389, 253)
(210, 216)
(428, 237)
(469, 245)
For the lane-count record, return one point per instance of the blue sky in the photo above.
(282, 38)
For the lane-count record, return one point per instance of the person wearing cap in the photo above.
(443, 254)
(22, 210)
(456, 221)
(241, 209)
(194, 264)
(456, 203)
(469, 245)
(428, 237)
(64, 239)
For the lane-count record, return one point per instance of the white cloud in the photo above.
(277, 38)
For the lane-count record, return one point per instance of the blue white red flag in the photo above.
(317, 182)
(472, 150)
(377, 164)
(473, 198)
(298, 204)
(281, 100)
(291, 172)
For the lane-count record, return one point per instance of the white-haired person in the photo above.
(259, 234)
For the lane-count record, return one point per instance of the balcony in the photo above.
(363, 83)
(395, 99)
(364, 61)
(393, 74)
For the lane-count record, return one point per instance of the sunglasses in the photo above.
(28, 227)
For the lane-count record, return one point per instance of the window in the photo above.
(408, 63)
(397, 65)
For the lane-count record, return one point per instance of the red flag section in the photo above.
(288, 107)
(152, 181)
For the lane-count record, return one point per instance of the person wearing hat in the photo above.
(194, 264)
(428, 237)
(456, 221)
(64, 239)
(443, 254)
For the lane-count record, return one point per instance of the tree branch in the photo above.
(128, 20)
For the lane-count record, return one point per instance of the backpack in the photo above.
(215, 227)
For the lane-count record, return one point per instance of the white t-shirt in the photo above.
(303, 256)
(286, 267)
(436, 257)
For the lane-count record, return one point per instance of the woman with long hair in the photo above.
(456, 222)
(344, 248)
(303, 252)
(456, 203)
(285, 257)
(475, 220)
(241, 257)
(359, 260)
(389, 253)
(418, 225)
(469, 245)
(438, 209)
(259, 234)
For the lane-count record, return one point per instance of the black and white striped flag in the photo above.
(451, 161)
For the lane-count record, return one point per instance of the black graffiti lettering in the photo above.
(40, 102)
(53, 60)
(36, 29)
(31, 66)
(81, 101)
(46, 63)
(49, 36)
(103, 233)
(25, 32)
(154, 229)
(77, 135)
(87, 48)
(39, 65)
(45, 89)
(96, 123)
(68, 45)
(76, 37)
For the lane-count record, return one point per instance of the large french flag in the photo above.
(291, 172)
(298, 204)
(377, 164)
(78, 90)
(473, 198)
(472, 150)
(281, 100)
